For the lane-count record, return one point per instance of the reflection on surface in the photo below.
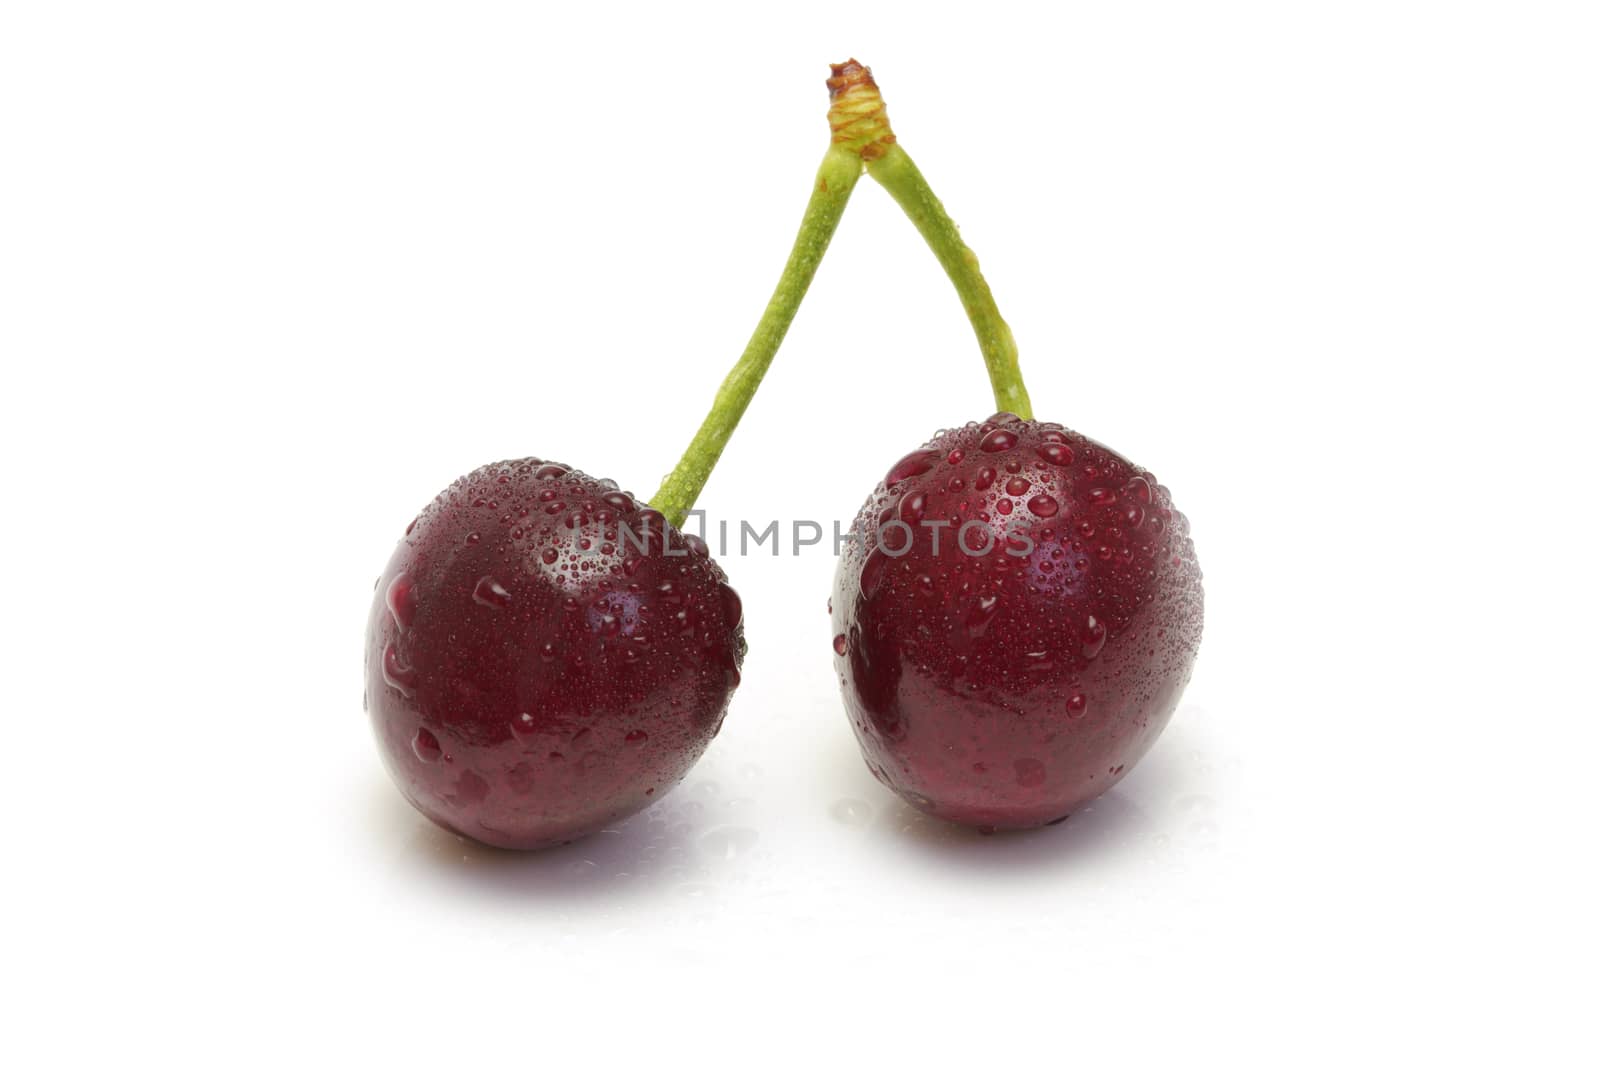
(689, 837)
(737, 840)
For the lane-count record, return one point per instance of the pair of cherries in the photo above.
(1015, 616)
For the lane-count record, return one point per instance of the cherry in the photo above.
(1022, 608)
(1016, 615)
(545, 655)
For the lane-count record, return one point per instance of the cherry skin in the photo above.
(545, 655)
(1015, 617)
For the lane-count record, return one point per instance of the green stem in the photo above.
(836, 178)
(895, 171)
(860, 121)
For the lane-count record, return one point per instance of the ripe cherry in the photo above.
(545, 655)
(1016, 614)
(1022, 609)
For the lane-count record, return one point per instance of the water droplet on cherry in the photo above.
(1057, 454)
(400, 677)
(1094, 637)
(981, 615)
(732, 606)
(909, 466)
(490, 593)
(401, 597)
(872, 572)
(998, 440)
(426, 746)
(1100, 496)
(1044, 505)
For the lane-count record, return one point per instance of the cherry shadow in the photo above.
(1111, 828)
(632, 857)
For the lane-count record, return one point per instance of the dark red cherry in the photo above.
(1012, 651)
(545, 655)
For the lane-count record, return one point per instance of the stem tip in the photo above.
(857, 116)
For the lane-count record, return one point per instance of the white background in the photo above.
(271, 275)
